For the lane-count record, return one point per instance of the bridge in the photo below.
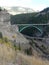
(31, 30)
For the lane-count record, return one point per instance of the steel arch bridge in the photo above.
(31, 30)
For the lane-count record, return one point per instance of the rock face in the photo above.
(10, 31)
(8, 54)
(4, 17)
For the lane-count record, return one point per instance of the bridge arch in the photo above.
(31, 31)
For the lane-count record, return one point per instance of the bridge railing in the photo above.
(31, 24)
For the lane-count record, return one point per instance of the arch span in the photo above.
(31, 31)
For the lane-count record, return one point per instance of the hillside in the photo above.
(32, 18)
(22, 18)
(11, 55)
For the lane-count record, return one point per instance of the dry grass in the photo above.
(33, 60)
(7, 53)
(8, 56)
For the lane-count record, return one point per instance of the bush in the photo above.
(5, 39)
(19, 47)
(43, 47)
(29, 51)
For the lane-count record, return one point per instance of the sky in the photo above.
(36, 5)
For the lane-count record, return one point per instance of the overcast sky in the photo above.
(34, 4)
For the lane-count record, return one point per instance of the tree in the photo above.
(1, 36)
(0, 9)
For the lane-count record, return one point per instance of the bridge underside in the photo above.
(31, 31)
